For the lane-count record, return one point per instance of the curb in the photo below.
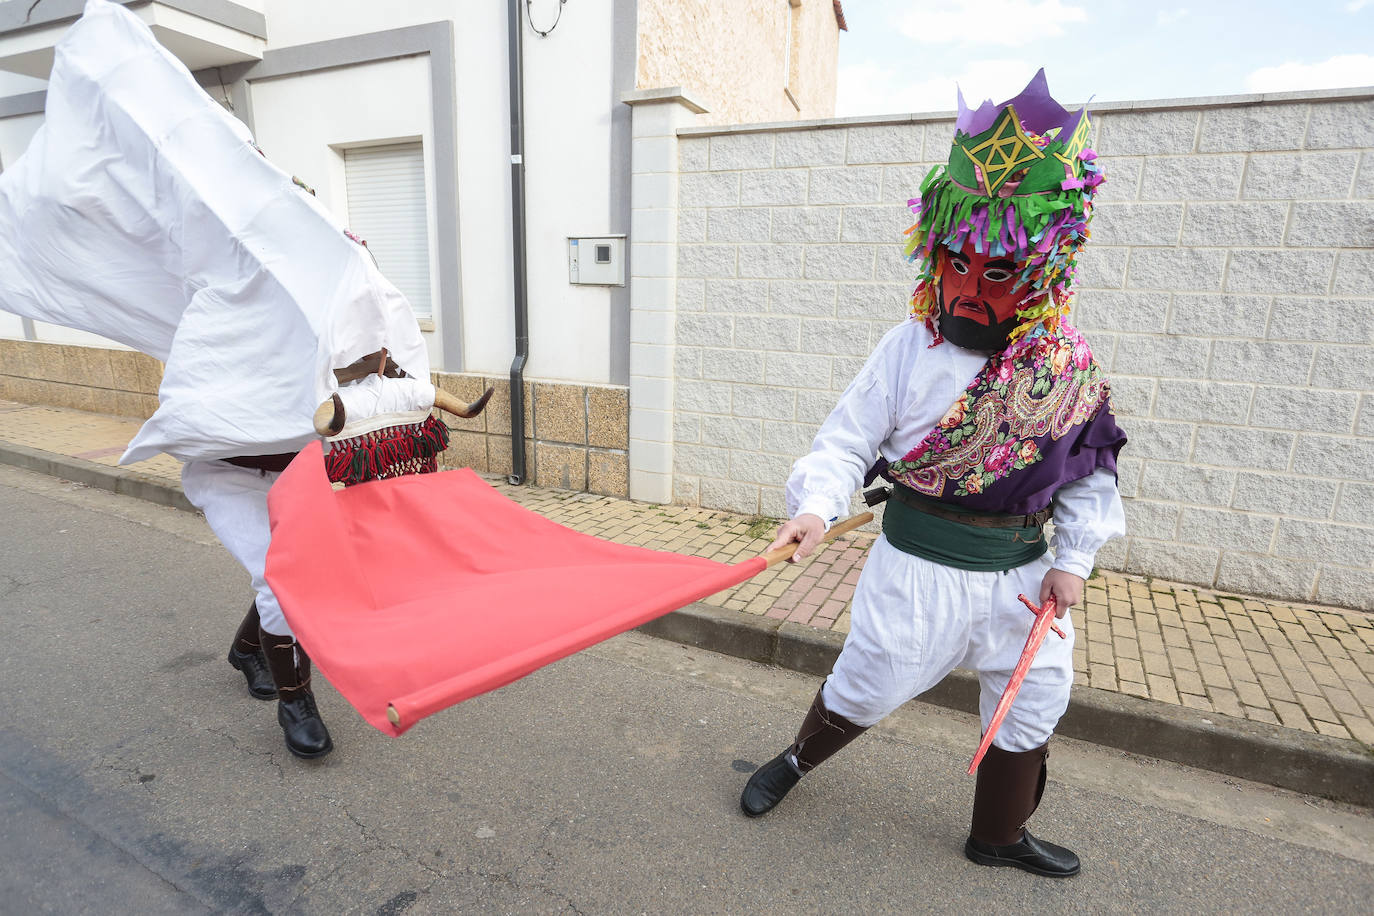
(1287, 758)
(114, 479)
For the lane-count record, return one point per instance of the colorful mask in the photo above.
(1018, 186)
(978, 298)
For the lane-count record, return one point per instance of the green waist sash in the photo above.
(952, 543)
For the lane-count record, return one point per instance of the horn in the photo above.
(329, 416)
(445, 401)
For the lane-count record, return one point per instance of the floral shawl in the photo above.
(1036, 417)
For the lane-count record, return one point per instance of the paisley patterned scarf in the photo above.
(1031, 420)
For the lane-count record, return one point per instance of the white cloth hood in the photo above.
(143, 212)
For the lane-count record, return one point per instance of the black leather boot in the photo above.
(297, 714)
(1009, 788)
(245, 655)
(822, 734)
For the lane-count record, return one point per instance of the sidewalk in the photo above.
(1251, 687)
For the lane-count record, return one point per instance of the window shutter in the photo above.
(386, 206)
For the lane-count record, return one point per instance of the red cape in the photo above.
(419, 592)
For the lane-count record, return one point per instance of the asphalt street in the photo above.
(137, 776)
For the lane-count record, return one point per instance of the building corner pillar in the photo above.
(655, 119)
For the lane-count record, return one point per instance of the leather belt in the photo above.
(274, 463)
(909, 497)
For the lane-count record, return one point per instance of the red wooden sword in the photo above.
(1044, 622)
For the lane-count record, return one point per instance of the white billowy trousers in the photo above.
(914, 621)
(234, 501)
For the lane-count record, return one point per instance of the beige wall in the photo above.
(100, 380)
(730, 56)
(1226, 291)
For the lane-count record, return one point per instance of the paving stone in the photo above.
(1226, 702)
(1263, 663)
(1188, 682)
(1293, 716)
(1276, 688)
(1330, 728)
(1196, 702)
(1361, 730)
(1102, 677)
(1239, 669)
(1251, 694)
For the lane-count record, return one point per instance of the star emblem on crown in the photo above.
(1004, 152)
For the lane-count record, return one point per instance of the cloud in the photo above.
(1338, 72)
(869, 88)
(1011, 23)
(1169, 17)
(1354, 6)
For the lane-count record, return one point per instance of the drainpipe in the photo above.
(514, 33)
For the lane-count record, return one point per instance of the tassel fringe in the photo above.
(390, 452)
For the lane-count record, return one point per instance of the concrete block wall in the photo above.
(1227, 290)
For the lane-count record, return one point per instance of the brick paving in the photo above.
(1296, 666)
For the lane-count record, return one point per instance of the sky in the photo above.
(903, 56)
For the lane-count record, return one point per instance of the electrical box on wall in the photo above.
(597, 261)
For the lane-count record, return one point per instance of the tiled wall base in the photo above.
(576, 436)
(99, 380)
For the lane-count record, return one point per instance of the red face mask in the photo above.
(978, 296)
(972, 283)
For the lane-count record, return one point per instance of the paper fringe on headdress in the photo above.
(1003, 211)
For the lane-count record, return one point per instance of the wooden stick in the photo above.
(392, 715)
(778, 554)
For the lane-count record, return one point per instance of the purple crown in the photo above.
(1038, 111)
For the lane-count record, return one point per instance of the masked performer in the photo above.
(389, 432)
(989, 416)
(143, 212)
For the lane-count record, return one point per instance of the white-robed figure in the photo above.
(988, 415)
(142, 211)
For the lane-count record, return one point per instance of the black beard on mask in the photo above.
(969, 334)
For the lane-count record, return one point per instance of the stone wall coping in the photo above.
(1182, 104)
(665, 94)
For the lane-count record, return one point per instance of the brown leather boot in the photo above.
(822, 733)
(1010, 784)
(245, 655)
(297, 714)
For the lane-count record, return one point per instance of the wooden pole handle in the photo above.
(778, 554)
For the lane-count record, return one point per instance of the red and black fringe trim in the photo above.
(389, 452)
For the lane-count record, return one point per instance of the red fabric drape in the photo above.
(425, 590)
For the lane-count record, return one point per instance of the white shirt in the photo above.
(899, 395)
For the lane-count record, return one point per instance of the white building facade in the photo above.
(399, 116)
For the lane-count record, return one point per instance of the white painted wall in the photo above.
(303, 124)
(298, 22)
(569, 104)
(484, 187)
(568, 109)
(17, 84)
